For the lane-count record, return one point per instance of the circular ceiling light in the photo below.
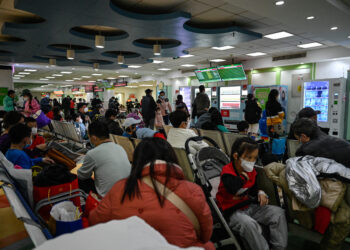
(70, 54)
(52, 62)
(310, 17)
(99, 41)
(96, 66)
(279, 3)
(120, 59)
(334, 28)
(157, 49)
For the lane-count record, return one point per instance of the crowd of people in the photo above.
(142, 188)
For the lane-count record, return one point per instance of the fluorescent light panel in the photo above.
(223, 48)
(279, 3)
(157, 61)
(97, 74)
(188, 55)
(217, 60)
(256, 54)
(134, 66)
(69, 80)
(30, 70)
(86, 76)
(123, 76)
(188, 65)
(24, 73)
(66, 72)
(164, 69)
(310, 17)
(50, 77)
(309, 45)
(57, 75)
(279, 35)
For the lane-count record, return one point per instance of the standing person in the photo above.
(275, 114)
(143, 194)
(164, 106)
(45, 104)
(235, 197)
(179, 104)
(201, 102)
(72, 106)
(66, 106)
(149, 109)
(31, 106)
(96, 101)
(137, 104)
(9, 101)
(252, 114)
(111, 103)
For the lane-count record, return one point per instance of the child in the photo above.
(242, 127)
(78, 123)
(38, 142)
(237, 186)
(159, 122)
(20, 135)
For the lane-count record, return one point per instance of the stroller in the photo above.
(207, 164)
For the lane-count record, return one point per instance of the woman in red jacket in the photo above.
(244, 205)
(143, 195)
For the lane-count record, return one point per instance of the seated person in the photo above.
(113, 127)
(83, 112)
(180, 132)
(156, 161)
(78, 123)
(245, 214)
(317, 143)
(134, 114)
(21, 135)
(38, 142)
(11, 118)
(215, 121)
(242, 127)
(107, 160)
(306, 113)
(133, 131)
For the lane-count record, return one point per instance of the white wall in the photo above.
(6, 81)
(268, 78)
(332, 69)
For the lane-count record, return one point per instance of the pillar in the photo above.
(6, 83)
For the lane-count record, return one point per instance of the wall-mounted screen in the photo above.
(208, 75)
(232, 72)
(316, 95)
(230, 97)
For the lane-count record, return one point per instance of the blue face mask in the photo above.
(28, 145)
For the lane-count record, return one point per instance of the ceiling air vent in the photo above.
(288, 57)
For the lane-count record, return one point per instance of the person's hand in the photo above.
(41, 146)
(48, 160)
(245, 174)
(263, 199)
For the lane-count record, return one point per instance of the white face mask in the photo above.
(247, 166)
(25, 98)
(86, 110)
(80, 120)
(34, 131)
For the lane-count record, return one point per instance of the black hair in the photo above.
(250, 96)
(272, 98)
(306, 126)
(99, 129)
(177, 117)
(80, 105)
(159, 101)
(12, 118)
(74, 116)
(180, 97)
(147, 152)
(19, 132)
(216, 117)
(10, 92)
(162, 92)
(243, 145)
(201, 88)
(110, 113)
(29, 120)
(242, 126)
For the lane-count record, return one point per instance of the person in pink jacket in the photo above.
(155, 161)
(165, 107)
(31, 106)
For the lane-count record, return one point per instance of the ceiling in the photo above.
(34, 31)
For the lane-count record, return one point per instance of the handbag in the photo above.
(60, 158)
(177, 202)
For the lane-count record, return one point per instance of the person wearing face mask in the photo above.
(244, 214)
(79, 125)
(165, 107)
(82, 111)
(133, 131)
(38, 142)
(21, 135)
(31, 105)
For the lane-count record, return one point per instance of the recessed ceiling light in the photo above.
(223, 48)
(24, 73)
(134, 66)
(188, 65)
(76, 78)
(57, 75)
(86, 76)
(334, 28)
(69, 80)
(111, 78)
(68, 85)
(131, 86)
(19, 75)
(279, 35)
(309, 45)
(278, 3)
(66, 72)
(43, 79)
(136, 73)
(156, 61)
(256, 54)
(123, 76)
(97, 74)
(16, 78)
(91, 81)
(217, 60)
(146, 85)
(50, 77)
(30, 70)
(310, 17)
(164, 69)
(188, 55)
(348, 36)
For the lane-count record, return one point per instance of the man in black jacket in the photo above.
(113, 127)
(318, 144)
(149, 109)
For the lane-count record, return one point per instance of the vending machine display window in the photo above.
(186, 94)
(230, 97)
(316, 96)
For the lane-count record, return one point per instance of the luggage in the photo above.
(60, 158)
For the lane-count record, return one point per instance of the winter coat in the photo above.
(113, 127)
(148, 107)
(33, 107)
(252, 112)
(8, 104)
(167, 220)
(206, 117)
(202, 102)
(274, 113)
(159, 122)
(165, 107)
(45, 105)
(328, 147)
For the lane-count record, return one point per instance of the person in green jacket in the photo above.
(9, 101)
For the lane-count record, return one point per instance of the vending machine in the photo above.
(329, 97)
(186, 93)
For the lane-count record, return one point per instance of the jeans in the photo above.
(166, 119)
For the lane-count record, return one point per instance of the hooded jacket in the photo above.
(148, 107)
(252, 112)
(167, 220)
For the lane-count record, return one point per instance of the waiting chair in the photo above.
(216, 136)
(292, 147)
(167, 129)
(127, 144)
(136, 142)
(229, 139)
(184, 163)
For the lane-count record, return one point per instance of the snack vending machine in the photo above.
(329, 97)
(186, 93)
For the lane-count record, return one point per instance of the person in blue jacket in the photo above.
(21, 137)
